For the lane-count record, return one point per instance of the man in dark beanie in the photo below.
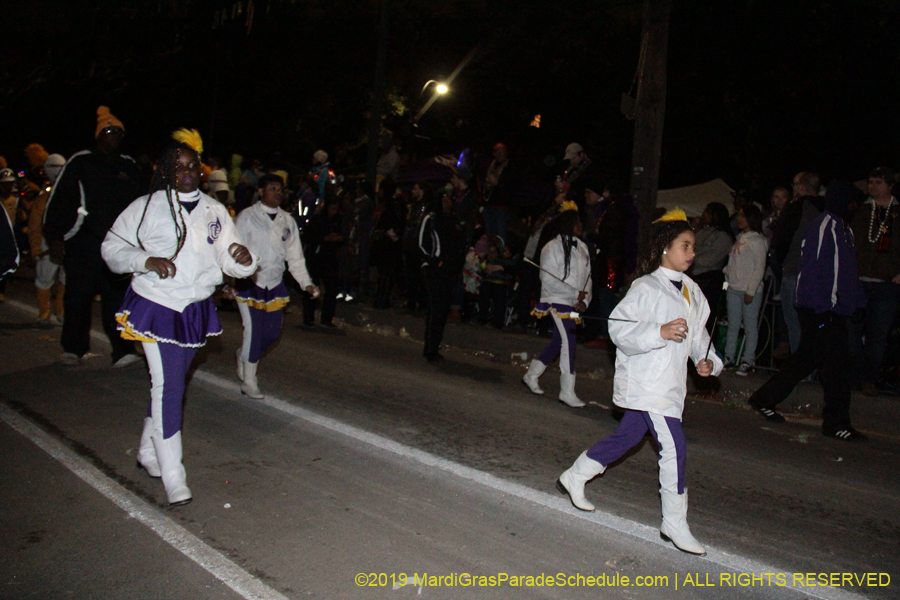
(828, 292)
(876, 227)
(92, 189)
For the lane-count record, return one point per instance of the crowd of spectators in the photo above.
(464, 245)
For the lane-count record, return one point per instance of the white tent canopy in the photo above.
(692, 199)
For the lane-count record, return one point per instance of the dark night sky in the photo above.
(756, 90)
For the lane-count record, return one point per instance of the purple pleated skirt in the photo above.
(143, 320)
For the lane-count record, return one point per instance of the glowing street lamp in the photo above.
(439, 90)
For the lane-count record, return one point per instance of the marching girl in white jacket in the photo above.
(270, 233)
(177, 241)
(656, 327)
(565, 289)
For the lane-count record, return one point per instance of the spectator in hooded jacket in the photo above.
(828, 292)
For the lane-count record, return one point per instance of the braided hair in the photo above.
(164, 180)
(566, 222)
(663, 236)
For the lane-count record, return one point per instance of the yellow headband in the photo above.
(568, 205)
(676, 214)
(189, 137)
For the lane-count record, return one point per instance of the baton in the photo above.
(531, 262)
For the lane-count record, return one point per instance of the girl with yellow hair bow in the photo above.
(657, 327)
(177, 241)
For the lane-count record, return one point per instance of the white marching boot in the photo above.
(250, 387)
(572, 481)
(567, 390)
(674, 526)
(173, 475)
(240, 364)
(146, 456)
(535, 370)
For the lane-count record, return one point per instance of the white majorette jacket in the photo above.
(554, 291)
(274, 241)
(651, 373)
(199, 265)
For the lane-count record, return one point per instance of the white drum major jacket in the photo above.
(199, 264)
(275, 242)
(651, 372)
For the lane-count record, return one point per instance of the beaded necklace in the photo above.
(882, 229)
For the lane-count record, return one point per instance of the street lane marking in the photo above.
(173, 534)
(555, 502)
(645, 533)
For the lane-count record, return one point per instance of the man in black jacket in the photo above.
(93, 188)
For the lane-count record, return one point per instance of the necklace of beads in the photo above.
(883, 227)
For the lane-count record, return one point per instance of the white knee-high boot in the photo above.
(674, 526)
(535, 370)
(146, 456)
(567, 390)
(572, 481)
(240, 363)
(250, 387)
(169, 454)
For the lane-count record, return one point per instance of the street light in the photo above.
(439, 90)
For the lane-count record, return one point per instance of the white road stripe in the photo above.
(173, 534)
(720, 558)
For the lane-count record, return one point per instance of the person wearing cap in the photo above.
(218, 185)
(828, 292)
(580, 165)
(46, 272)
(876, 228)
(501, 185)
(319, 171)
(389, 163)
(92, 190)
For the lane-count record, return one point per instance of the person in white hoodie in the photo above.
(744, 274)
(176, 241)
(565, 292)
(657, 327)
(270, 233)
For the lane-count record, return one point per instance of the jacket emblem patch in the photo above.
(214, 230)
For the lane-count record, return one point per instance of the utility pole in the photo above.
(378, 94)
(650, 111)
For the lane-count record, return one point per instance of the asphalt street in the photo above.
(364, 459)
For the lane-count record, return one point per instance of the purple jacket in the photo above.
(829, 275)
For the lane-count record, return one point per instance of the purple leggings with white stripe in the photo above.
(261, 329)
(669, 436)
(563, 343)
(169, 365)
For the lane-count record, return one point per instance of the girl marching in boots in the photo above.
(177, 241)
(656, 328)
(565, 291)
(270, 233)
